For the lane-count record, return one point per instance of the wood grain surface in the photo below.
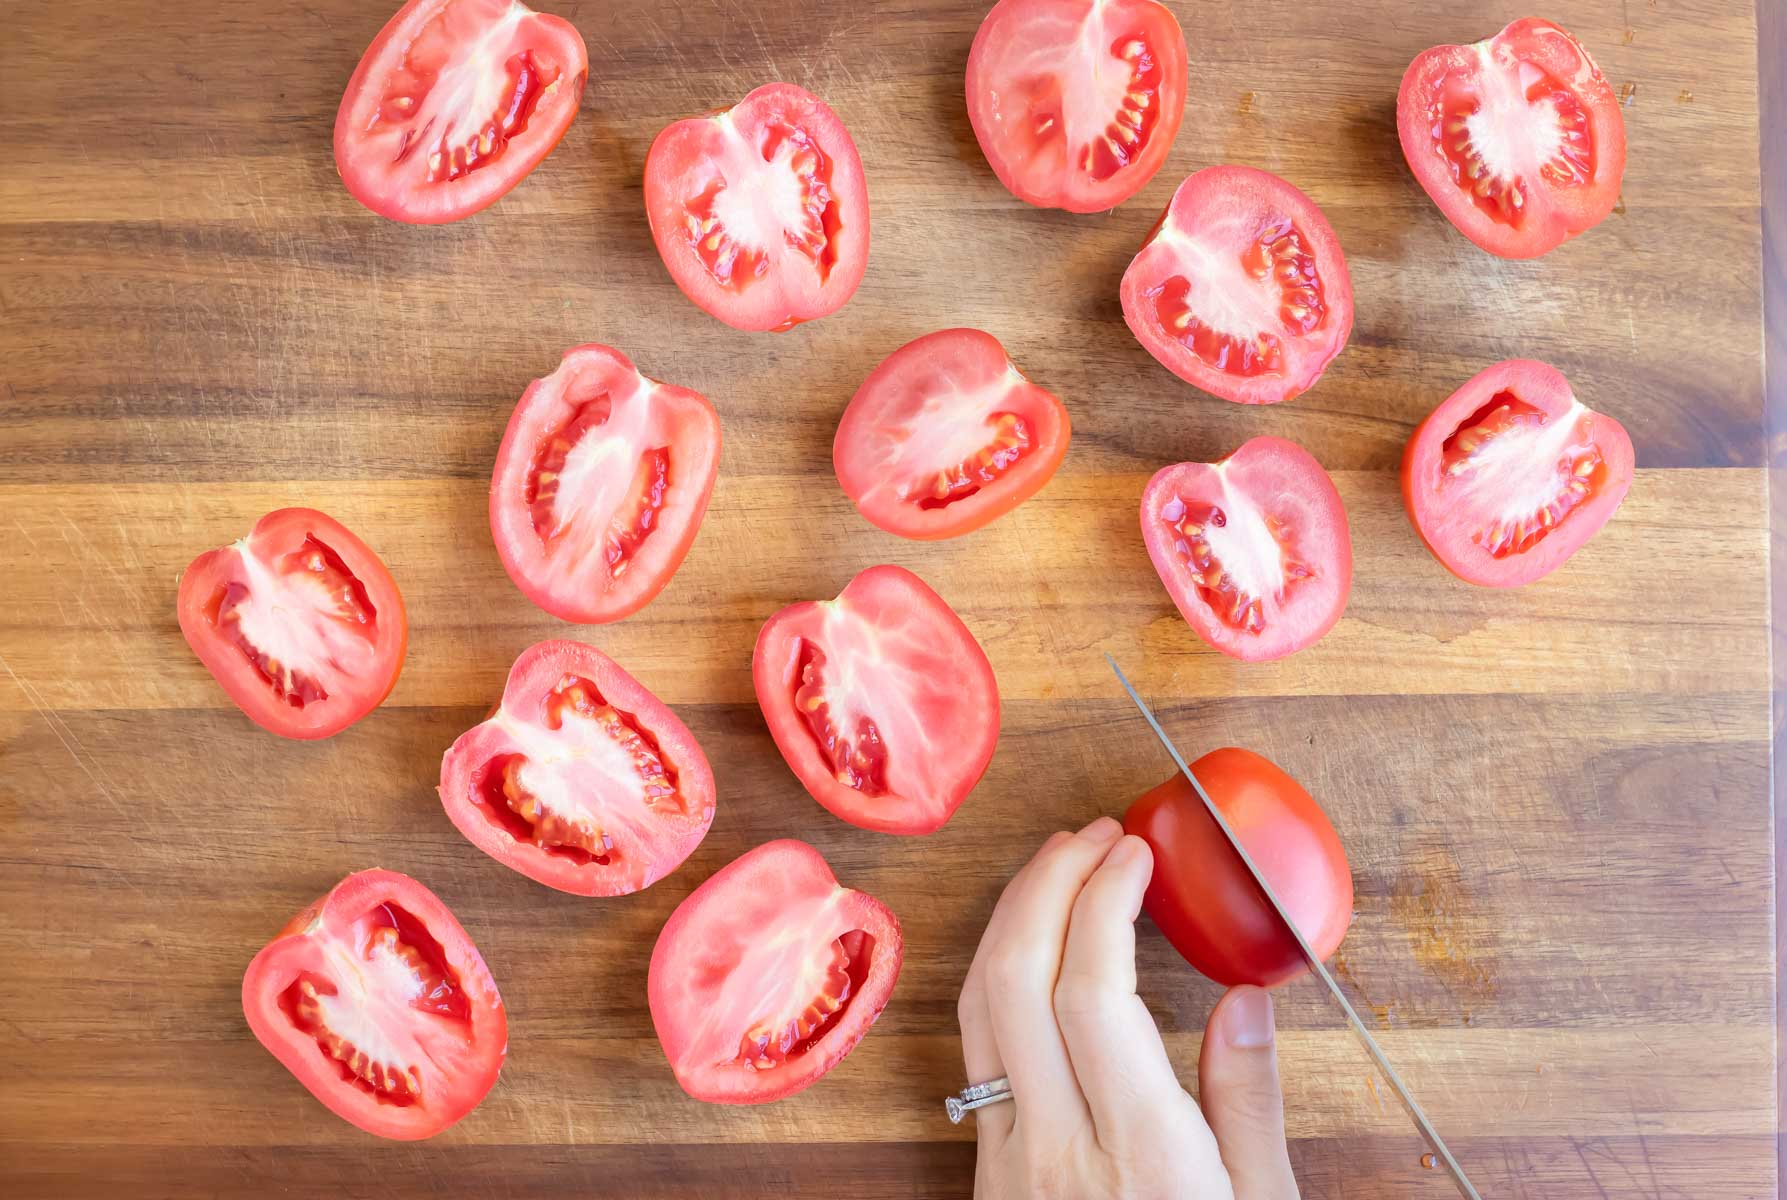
(1556, 801)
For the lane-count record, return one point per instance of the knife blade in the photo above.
(1419, 1117)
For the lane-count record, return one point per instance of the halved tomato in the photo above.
(1254, 550)
(1241, 289)
(299, 621)
(881, 701)
(582, 779)
(1202, 896)
(1518, 139)
(600, 485)
(768, 975)
(945, 435)
(1076, 102)
(1512, 474)
(760, 210)
(376, 1000)
(453, 104)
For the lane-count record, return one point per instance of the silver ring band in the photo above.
(975, 1096)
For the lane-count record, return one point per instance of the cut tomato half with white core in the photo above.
(453, 104)
(1512, 474)
(1254, 550)
(760, 211)
(1518, 139)
(582, 779)
(768, 975)
(299, 621)
(881, 701)
(1242, 288)
(1076, 102)
(376, 999)
(945, 435)
(600, 485)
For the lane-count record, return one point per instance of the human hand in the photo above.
(1097, 1111)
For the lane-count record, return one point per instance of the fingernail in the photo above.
(1247, 1019)
(1105, 829)
(1126, 852)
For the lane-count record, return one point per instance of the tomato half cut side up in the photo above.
(760, 211)
(768, 975)
(1242, 288)
(1509, 477)
(600, 485)
(453, 104)
(1518, 139)
(1076, 102)
(945, 435)
(881, 701)
(299, 621)
(1254, 550)
(1201, 894)
(581, 779)
(376, 1000)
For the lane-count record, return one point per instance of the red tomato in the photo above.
(1241, 288)
(582, 779)
(768, 975)
(600, 485)
(453, 104)
(945, 435)
(1253, 549)
(299, 621)
(1518, 139)
(1201, 894)
(376, 999)
(760, 210)
(1512, 474)
(881, 701)
(1076, 102)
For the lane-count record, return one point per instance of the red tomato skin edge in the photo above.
(217, 660)
(1615, 444)
(889, 954)
(535, 671)
(388, 207)
(296, 1051)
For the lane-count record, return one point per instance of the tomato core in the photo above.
(722, 223)
(1476, 139)
(858, 758)
(773, 1041)
(1569, 469)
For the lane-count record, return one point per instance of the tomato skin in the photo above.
(281, 532)
(1450, 530)
(1552, 214)
(1212, 204)
(394, 184)
(1201, 894)
(937, 743)
(698, 952)
(297, 953)
(999, 106)
(1286, 484)
(682, 163)
(688, 428)
(648, 845)
(967, 364)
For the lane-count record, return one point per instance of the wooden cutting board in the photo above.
(1555, 800)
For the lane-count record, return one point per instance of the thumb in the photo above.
(1238, 1089)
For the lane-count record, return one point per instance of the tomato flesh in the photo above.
(581, 780)
(945, 435)
(881, 701)
(377, 1001)
(760, 211)
(453, 104)
(1512, 474)
(1201, 894)
(1254, 550)
(768, 975)
(1518, 139)
(1076, 102)
(1242, 288)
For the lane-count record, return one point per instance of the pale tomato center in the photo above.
(1241, 559)
(1518, 472)
(1521, 126)
(953, 442)
(768, 195)
(303, 620)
